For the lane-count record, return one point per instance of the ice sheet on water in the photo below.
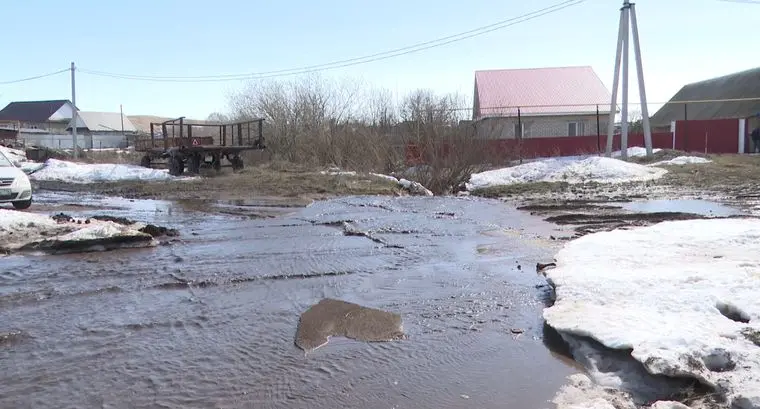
(593, 169)
(682, 295)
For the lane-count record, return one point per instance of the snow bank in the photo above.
(635, 152)
(682, 160)
(18, 156)
(410, 185)
(31, 231)
(593, 169)
(677, 293)
(63, 171)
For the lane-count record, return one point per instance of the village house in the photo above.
(732, 96)
(48, 116)
(540, 102)
(104, 129)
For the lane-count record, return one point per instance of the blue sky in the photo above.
(682, 41)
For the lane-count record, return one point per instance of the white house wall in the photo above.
(64, 141)
(539, 127)
(64, 113)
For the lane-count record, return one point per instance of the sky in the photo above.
(682, 41)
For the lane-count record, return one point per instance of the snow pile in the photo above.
(338, 172)
(19, 157)
(593, 169)
(410, 185)
(682, 295)
(63, 171)
(682, 160)
(31, 231)
(635, 152)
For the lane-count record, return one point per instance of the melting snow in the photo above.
(635, 152)
(18, 229)
(19, 156)
(682, 295)
(682, 160)
(593, 169)
(63, 171)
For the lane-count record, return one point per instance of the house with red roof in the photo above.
(540, 102)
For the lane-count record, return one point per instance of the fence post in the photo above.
(520, 136)
(685, 127)
(598, 131)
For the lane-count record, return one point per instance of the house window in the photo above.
(576, 129)
(521, 127)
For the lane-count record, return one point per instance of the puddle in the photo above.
(693, 206)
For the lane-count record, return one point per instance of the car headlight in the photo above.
(21, 182)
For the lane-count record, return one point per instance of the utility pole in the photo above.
(628, 18)
(74, 116)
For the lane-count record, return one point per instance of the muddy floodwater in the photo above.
(209, 321)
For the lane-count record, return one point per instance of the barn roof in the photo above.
(31, 111)
(739, 85)
(104, 122)
(540, 91)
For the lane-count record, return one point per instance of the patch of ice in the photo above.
(593, 169)
(677, 293)
(64, 171)
(634, 152)
(682, 160)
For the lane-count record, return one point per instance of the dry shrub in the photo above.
(318, 123)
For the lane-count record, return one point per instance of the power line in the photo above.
(352, 61)
(36, 77)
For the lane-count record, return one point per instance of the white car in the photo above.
(15, 186)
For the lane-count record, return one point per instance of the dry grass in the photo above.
(122, 157)
(273, 179)
(725, 172)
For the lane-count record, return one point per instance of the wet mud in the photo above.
(211, 321)
(336, 318)
(586, 217)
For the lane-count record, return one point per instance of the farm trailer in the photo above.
(195, 145)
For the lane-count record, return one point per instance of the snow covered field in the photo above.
(22, 230)
(682, 295)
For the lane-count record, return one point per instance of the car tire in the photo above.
(22, 204)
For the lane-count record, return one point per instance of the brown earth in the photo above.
(297, 184)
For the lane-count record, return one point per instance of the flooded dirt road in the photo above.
(209, 320)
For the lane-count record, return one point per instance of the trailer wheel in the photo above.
(176, 166)
(145, 161)
(217, 163)
(237, 163)
(195, 163)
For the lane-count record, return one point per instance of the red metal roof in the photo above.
(540, 91)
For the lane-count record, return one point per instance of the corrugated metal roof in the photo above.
(540, 91)
(31, 111)
(739, 85)
(104, 122)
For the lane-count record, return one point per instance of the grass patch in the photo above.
(250, 183)
(724, 171)
(520, 189)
